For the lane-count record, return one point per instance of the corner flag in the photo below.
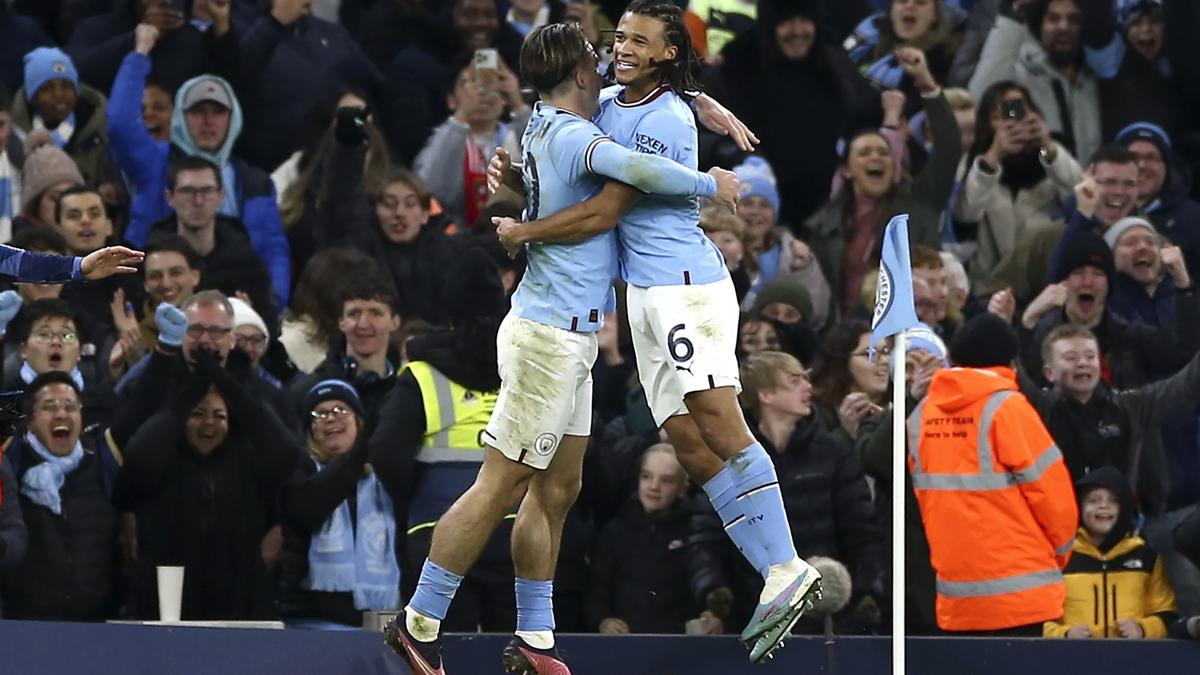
(894, 307)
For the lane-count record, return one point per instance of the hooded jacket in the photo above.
(801, 105)
(1122, 578)
(984, 466)
(146, 162)
(89, 143)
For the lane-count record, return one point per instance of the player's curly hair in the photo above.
(679, 73)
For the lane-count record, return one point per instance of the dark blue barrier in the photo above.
(31, 648)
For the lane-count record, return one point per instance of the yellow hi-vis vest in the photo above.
(455, 417)
(453, 449)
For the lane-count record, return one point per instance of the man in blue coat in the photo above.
(206, 123)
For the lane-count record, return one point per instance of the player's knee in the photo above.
(558, 494)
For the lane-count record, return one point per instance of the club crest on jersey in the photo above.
(883, 294)
(545, 444)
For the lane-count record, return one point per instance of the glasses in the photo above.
(66, 337)
(196, 331)
(205, 192)
(255, 341)
(881, 351)
(336, 412)
(53, 405)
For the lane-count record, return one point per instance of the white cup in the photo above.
(170, 592)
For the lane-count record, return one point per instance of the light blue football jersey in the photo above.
(661, 240)
(566, 161)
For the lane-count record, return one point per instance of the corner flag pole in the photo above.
(899, 470)
(895, 312)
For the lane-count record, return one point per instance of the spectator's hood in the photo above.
(1111, 478)
(179, 130)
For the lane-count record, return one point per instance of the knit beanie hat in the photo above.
(332, 390)
(1129, 11)
(48, 63)
(985, 341)
(1084, 249)
(924, 338)
(1145, 131)
(244, 315)
(1113, 234)
(758, 180)
(44, 167)
(787, 289)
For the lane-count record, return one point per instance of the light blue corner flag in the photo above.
(894, 307)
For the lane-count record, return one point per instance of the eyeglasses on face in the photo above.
(206, 192)
(53, 405)
(65, 337)
(251, 340)
(197, 331)
(336, 412)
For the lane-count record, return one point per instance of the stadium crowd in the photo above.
(288, 395)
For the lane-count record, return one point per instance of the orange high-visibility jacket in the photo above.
(996, 499)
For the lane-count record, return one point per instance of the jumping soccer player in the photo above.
(683, 312)
(537, 435)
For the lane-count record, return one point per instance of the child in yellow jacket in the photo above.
(1116, 584)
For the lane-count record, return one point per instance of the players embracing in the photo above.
(546, 347)
(683, 311)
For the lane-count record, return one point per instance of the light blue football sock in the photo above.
(761, 502)
(722, 491)
(535, 605)
(435, 590)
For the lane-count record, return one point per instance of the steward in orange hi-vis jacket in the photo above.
(996, 499)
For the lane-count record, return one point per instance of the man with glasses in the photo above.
(52, 343)
(65, 477)
(1164, 184)
(195, 191)
(201, 328)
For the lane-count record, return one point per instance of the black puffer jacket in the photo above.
(647, 569)
(828, 503)
(69, 570)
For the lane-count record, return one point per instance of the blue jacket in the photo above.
(43, 268)
(145, 161)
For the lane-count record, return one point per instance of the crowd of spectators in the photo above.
(308, 181)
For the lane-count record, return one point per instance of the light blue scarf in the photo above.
(61, 135)
(41, 483)
(28, 374)
(365, 564)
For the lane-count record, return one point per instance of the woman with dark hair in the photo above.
(846, 233)
(302, 181)
(1016, 174)
(310, 324)
(847, 385)
(202, 474)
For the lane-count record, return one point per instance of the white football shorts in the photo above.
(685, 339)
(545, 390)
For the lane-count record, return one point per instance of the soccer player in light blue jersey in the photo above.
(683, 312)
(546, 346)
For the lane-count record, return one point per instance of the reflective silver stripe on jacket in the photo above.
(441, 450)
(987, 478)
(977, 589)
